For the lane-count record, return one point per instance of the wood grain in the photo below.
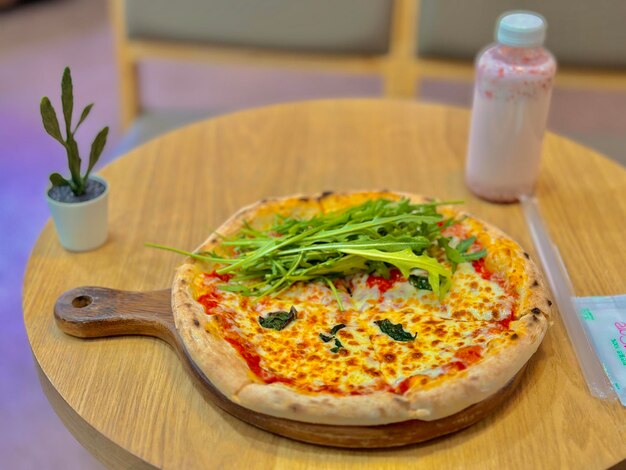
(133, 392)
(96, 312)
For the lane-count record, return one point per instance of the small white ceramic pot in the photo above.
(81, 226)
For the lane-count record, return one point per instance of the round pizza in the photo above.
(361, 308)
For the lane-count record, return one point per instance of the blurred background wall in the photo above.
(39, 38)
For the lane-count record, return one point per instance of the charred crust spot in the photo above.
(325, 194)
(304, 198)
(263, 201)
(349, 291)
(535, 283)
(549, 303)
(183, 282)
(196, 322)
(294, 407)
(526, 255)
(429, 199)
(536, 311)
(514, 336)
(188, 304)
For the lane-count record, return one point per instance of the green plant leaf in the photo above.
(465, 244)
(404, 260)
(336, 328)
(278, 320)
(96, 149)
(395, 332)
(50, 121)
(337, 346)
(73, 162)
(67, 99)
(475, 255)
(371, 237)
(83, 115)
(420, 282)
(57, 180)
(325, 338)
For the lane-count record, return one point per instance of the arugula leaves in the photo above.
(395, 332)
(371, 237)
(278, 320)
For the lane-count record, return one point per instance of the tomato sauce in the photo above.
(469, 354)
(215, 275)
(506, 322)
(403, 386)
(210, 301)
(480, 268)
(458, 365)
(384, 284)
(254, 364)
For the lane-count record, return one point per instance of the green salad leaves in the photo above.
(374, 236)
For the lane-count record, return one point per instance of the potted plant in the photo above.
(78, 204)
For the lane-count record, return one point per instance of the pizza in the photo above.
(359, 308)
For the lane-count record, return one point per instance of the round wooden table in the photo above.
(129, 400)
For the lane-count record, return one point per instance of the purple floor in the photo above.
(36, 41)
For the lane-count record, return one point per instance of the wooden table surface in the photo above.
(129, 400)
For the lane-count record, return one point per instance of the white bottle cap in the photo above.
(521, 29)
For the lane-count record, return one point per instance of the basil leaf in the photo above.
(278, 320)
(395, 332)
(337, 347)
(325, 338)
(420, 282)
(336, 328)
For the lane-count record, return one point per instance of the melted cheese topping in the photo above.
(450, 335)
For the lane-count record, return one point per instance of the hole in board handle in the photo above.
(81, 301)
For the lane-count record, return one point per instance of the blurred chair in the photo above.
(353, 36)
(402, 41)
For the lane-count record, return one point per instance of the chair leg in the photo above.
(126, 65)
(129, 91)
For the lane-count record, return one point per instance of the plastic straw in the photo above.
(562, 288)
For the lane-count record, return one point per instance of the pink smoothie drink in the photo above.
(510, 109)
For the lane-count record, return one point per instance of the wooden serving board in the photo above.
(96, 312)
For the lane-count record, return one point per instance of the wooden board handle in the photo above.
(95, 312)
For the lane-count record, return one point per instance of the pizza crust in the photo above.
(230, 374)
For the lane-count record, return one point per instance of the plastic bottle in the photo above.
(511, 100)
